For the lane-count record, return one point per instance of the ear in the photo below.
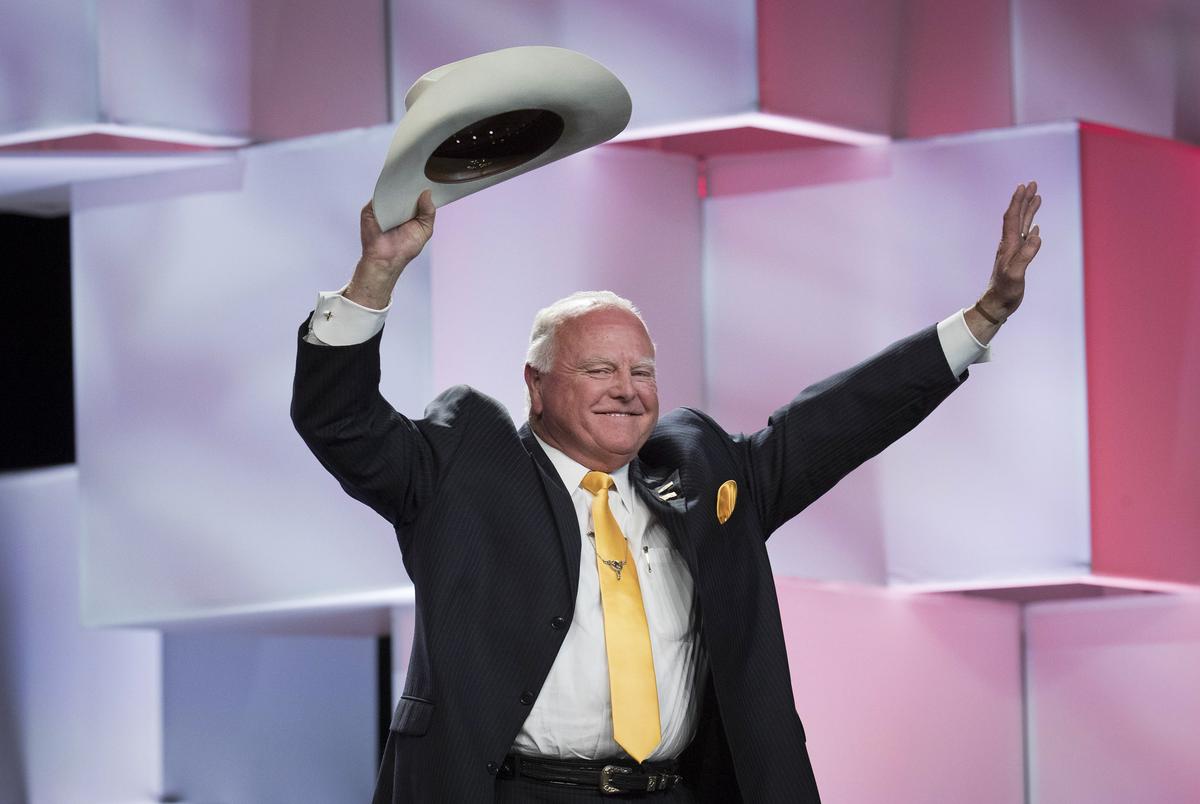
(533, 383)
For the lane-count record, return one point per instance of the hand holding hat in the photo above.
(385, 254)
(471, 124)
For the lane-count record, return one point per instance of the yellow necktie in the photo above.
(626, 635)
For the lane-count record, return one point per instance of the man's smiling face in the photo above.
(599, 402)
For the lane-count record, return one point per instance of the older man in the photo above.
(595, 611)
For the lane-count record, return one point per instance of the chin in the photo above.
(624, 449)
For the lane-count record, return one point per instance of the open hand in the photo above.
(1019, 244)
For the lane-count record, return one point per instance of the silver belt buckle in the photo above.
(606, 774)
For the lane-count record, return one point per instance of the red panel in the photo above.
(743, 140)
(957, 66)
(318, 66)
(1042, 593)
(801, 167)
(832, 62)
(1141, 234)
(912, 68)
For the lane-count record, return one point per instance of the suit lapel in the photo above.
(560, 504)
(662, 491)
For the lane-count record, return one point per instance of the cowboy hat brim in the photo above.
(512, 110)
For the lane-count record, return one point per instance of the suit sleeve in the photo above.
(380, 458)
(832, 427)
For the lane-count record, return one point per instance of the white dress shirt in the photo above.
(572, 716)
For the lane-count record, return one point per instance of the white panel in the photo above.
(198, 495)
(80, 709)
(1114, 699)
(806, 281)
(40, 183)
(270, 720)
(680, 59)
(183, 64)
(906, 698)
(611, 218)
(1121, 63)
(47, 64)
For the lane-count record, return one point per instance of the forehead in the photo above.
(604, 332)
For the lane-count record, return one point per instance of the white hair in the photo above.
(549, 319)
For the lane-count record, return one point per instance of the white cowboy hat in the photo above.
(476, 122)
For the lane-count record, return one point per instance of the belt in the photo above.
(608, 776)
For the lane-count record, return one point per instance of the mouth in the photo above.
(616, 414)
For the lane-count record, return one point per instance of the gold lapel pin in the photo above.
(726, 500)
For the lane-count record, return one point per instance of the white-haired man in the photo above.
(595, 613)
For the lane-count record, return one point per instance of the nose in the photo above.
(622, 386)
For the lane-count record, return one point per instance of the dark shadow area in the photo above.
(383, 675)
(37, 414)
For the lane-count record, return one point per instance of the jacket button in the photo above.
(527, 698)
(492, 767)
(558, 623)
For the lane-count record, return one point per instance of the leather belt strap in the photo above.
(606, 776)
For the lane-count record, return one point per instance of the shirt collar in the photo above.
(571, 472)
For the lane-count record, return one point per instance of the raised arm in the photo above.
(379, 456)
(834, 426)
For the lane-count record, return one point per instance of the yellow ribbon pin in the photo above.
(726, 500)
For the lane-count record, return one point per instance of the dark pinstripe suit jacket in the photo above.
(490, 540)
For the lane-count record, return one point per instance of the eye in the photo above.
(598, 371)
(644, 373)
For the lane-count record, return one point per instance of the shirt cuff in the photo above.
(960, 345)
(337, 321)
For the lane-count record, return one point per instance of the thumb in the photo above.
(425, 209)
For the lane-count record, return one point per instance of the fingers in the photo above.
(1011, 229)
(1018, 217)
(1029, 208)
(1032, 244)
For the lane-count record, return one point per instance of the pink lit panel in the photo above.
(906, 698)
(1114, 700)
(1141, 206)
